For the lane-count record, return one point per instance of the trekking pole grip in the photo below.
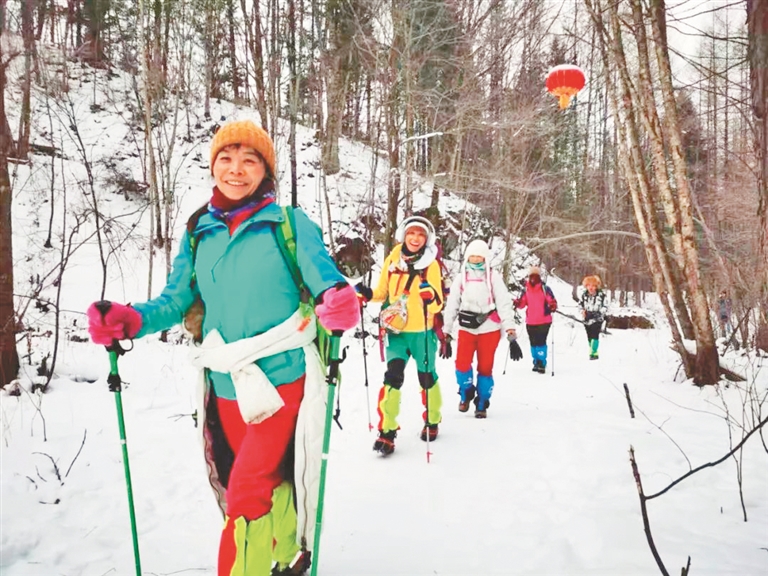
(114, 381)
(335, 356)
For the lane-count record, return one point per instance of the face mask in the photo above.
(476, 266)
(534, 280)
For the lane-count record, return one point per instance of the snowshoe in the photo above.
(429, 430)
(299, 566)
(385, 443)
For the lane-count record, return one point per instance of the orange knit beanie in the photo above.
(245, 133)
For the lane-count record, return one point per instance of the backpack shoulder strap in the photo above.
(193, 240)
(192, 224)
(285, 233)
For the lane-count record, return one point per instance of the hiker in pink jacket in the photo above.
(540, 304)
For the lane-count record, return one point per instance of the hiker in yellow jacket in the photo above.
(411, 288)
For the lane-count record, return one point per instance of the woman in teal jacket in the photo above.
(259, 363)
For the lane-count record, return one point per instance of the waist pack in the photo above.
(473, 319)
(395, 316)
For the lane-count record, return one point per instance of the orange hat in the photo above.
(246, 133)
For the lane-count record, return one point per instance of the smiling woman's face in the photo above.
(415, 238)
(238, 171)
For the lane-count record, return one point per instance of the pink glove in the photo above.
(340, 309)
(119, 323)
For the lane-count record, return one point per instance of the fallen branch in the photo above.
(709, 464)
(644, 511)
(85, 432)
(629, 400)
(55, 467)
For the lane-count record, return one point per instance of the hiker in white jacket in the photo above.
(480, 302)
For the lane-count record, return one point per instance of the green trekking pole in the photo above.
(332, 379)
(116, 385)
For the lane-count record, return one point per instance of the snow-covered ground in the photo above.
(542, 487)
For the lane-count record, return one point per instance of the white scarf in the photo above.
(256, 395)
(258, 399)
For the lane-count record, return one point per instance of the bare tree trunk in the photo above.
(257, 53)
(707, 364)
(25, 120)
(275, 60)
(392, 74)
(9, 356)
(633, 166)
(757, 22)
(639, 172)
(233, 50)
(393, 179)
(336, 97)
(209, 58)
(293, 102)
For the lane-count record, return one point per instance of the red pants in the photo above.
(259, 451)
(484, 344)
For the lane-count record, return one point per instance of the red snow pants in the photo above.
(483, 344)
(259, 451)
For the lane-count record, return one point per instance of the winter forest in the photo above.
(654, 176)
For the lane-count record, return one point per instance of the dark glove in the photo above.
(446, 350)
(426, 293)
(553, 306)
(514, 350)
(364, 293)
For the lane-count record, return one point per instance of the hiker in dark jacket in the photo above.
(262, 378)
(540, 304)
(593, 310)
(724, 314)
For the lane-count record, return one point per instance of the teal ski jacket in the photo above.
(245, 284)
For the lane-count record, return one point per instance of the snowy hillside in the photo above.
(543, 487)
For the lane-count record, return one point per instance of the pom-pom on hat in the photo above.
(245, 133)
(534, 271)
(477, 248)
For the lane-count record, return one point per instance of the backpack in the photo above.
(285, 234)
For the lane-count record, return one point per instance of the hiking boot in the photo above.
(299, 566)
(430, 429)
(385, 443)
(481, 413)
(469, 395)
(593, 356)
